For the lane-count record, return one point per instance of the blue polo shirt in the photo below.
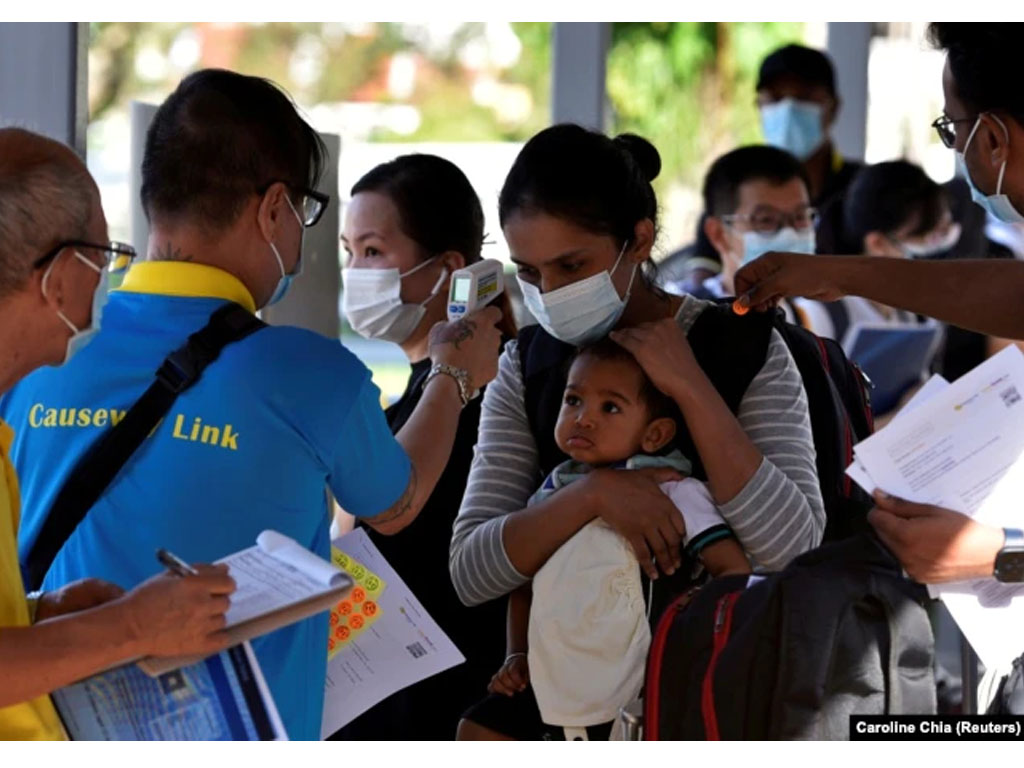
(279, 418)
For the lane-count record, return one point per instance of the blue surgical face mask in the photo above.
(787, 239)
(997, 205)
(795, 126)
(285, 282)
(580, 312)
(79, 338)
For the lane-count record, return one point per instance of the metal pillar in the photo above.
(849, 45)
(43, 79)
(141, 115)
(578, 73)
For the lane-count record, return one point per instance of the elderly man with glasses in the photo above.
(49, 308)
(278, 418)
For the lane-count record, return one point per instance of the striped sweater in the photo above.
(777, 515)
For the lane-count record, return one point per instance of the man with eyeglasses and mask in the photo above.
(983, 122)
(53, 258)
(228, 178)
(757, 201)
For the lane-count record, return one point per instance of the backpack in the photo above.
(839, 403)
(792, 655)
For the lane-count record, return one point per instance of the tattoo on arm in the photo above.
(453, 333)
(169, 253)
(401, 507)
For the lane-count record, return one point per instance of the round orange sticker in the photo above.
(355, 621)
(358, 595)
(369, 608)
(345, 608)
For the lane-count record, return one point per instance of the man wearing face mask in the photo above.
(228, 184)
(797, 98)
(983, 122)
(53, 253)
(757, 201)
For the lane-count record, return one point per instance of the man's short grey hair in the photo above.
(40, 205)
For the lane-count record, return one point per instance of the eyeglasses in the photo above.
(768, 221)
(116, 256)
(947, 134)
(311, 206)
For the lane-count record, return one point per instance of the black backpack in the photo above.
(839, 403)
(837, 632)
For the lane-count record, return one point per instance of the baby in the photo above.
(582, 640)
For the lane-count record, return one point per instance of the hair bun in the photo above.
(643, 153)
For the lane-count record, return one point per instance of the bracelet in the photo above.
(460, 375)
(512, 656)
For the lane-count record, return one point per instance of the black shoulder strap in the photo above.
(100, 464)
(840, 318)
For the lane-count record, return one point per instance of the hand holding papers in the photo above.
(962, 449)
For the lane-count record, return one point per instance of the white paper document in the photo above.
(962, 447)
(403, 646)
(276, 573)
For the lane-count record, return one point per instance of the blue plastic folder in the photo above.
(895, 358)
(222, 698)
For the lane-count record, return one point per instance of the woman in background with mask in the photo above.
(891, 210)
(410, 224)
(579, 214)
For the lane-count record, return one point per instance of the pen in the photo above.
(175, 564)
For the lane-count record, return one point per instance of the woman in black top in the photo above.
(410, 224)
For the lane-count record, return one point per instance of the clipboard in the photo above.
(279, 582)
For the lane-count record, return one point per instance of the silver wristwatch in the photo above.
(460, 375)
(1010, 559)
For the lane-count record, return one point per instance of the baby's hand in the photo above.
(513, 677)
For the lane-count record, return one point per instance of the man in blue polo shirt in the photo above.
(228, 174)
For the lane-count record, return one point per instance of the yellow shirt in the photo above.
(37, 719)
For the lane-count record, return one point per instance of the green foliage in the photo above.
(689, 87)
(350, 65)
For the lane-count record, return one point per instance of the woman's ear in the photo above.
(658, 434)
(877, 244)
(453, 260)
(643, 241)
(270, 209)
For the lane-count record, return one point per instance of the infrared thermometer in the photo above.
(475, 286)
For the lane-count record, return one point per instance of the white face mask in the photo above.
(933, 245)
(372, 302)
(79, 338)
(997, 205)
(787, 239)
(580, 312)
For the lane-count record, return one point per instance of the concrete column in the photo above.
(578, 73)
(43, 79)
(849, 45)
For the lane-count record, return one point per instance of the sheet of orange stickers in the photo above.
(350, 617)
(381, 637)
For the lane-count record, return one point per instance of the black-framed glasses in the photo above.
(944, 127)
(311, 206)
(116, 255)
(768, 221)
